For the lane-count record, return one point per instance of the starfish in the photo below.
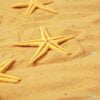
(4, 77)
(45, 43)
(34, 4)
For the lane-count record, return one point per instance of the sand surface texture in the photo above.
(55, 76)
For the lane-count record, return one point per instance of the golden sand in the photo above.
(56, 76)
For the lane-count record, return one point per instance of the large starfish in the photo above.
(34, 4)
(4, 77)
(45, 43)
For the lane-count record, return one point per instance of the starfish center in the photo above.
(47, 40)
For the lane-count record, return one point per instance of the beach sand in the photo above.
(55, 76)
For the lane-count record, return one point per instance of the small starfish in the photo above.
(7, 78)
(45, 43)
(34, 4)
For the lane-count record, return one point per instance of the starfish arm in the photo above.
(5, 65)
(64, 38)
(28, 43)
(43, 7)
(39, 53)
(56, 38)
(31, 9)
(44, 33)
(47, 1)
(8, 78)
(57, 47)
(20, 5)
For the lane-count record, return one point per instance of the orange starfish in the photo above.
(34, 4)
(47, 42)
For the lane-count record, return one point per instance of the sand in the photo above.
(56, 76)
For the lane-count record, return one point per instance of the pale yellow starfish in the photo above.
(34, 4)
(4, 77)
(45, 43)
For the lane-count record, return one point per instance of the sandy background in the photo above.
(74, 77)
